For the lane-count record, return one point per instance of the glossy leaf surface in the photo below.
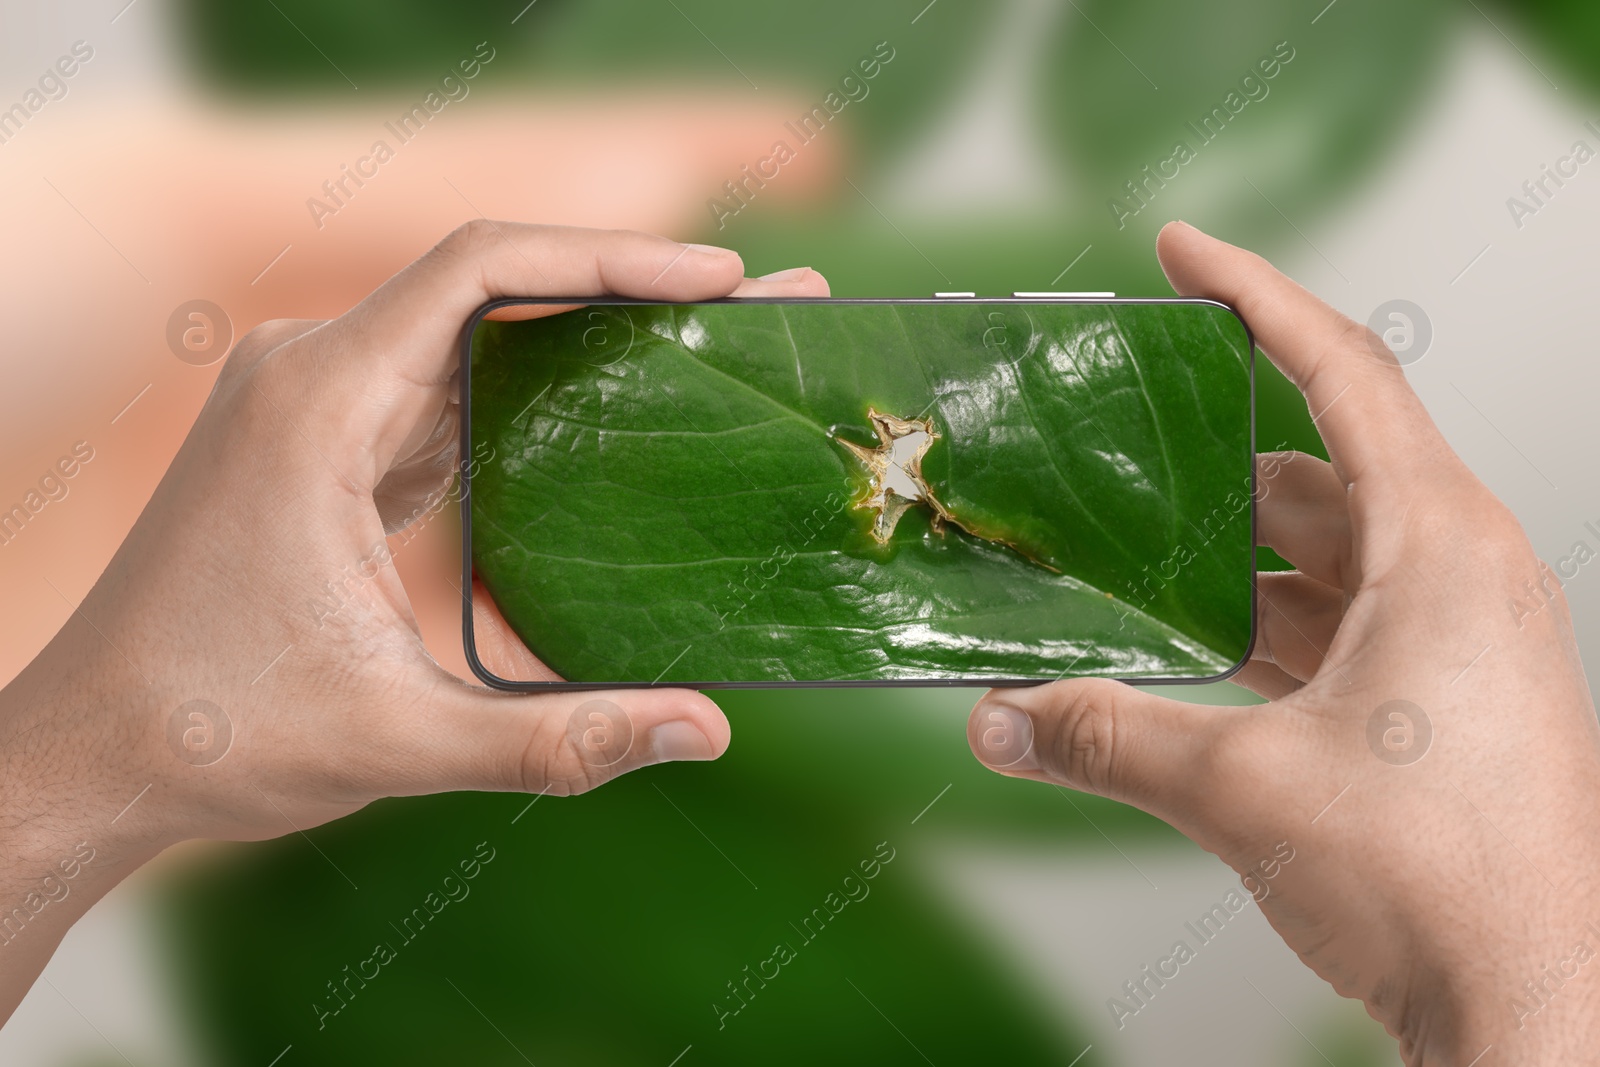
(660, 491)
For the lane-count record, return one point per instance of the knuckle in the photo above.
(468, 239)
(256, 345)
(1499, 523)
(1499, 536)
(1363, 342)
(1087, 744)
(1351, 353)
(1480, 532)
(258, 374)
(274, 377)
(552, 764)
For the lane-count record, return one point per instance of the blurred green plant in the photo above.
(1567, 30)
(607, 928)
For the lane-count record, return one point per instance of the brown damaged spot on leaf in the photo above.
(897, 484)
(895, 467)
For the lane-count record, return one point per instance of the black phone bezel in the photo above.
(463, 472)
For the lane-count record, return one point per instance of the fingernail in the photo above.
(1004, 738)
(785, 275)
(713, 250)
(676, 742)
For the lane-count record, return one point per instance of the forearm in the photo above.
(62, 845)
(43, 892)
(1517, 972)
(1555, 1025)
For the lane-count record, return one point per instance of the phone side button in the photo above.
(954, 296)
(1079, 296)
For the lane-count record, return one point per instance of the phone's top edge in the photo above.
(605, 300)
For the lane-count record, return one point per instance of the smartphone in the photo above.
(950, 491)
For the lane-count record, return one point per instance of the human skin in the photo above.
(318, 439)
(630, 158)
(1432, 889)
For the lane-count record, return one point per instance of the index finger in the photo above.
(1368, 415)
(409, 325)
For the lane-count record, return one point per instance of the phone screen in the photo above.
(833, 492)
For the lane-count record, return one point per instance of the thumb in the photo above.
(561, 743)
(1101, 737)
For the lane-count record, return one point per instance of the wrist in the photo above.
(1535, 1001)
(48, 881)
(62, 843)
(67, 804)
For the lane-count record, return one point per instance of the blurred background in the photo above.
(992, 149)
